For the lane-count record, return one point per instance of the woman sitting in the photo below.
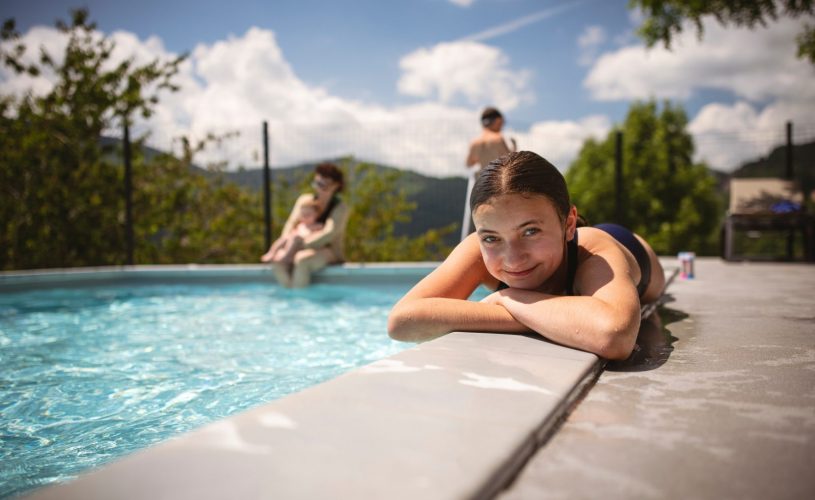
(323, 245)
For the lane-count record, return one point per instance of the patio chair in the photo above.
(767, 204)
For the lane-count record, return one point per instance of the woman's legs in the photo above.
(308, 261)
(275, 248)
(285, 254)
(282, 273)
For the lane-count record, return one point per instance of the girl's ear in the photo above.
(571, 223)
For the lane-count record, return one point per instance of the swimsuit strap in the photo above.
(331, 204)
(571, 263)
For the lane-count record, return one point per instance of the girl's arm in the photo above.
(604, 319)
(438, 303)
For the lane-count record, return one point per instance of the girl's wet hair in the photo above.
(523, 172)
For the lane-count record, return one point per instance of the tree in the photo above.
(664, 18)
(376, 206)
(61, 197)
(61, 202)
(186, 215)
(668, 199)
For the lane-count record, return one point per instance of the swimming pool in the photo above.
(92, 373)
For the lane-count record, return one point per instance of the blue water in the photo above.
(91, 374)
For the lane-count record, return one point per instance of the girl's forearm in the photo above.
(423, 319)
(582, 322)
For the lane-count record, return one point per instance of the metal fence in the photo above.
(438, 148)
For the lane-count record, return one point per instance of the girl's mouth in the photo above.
(520, 274)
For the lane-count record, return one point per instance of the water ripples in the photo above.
(89, 375)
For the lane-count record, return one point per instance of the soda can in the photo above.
(686, 265)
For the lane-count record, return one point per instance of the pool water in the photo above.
(91, 374)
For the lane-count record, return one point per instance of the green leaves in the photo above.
(61, 196)
(668, 200)
(664, 19)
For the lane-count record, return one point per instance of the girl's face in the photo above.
(522, 238)
(308, 214)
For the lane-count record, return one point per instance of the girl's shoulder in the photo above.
(593, 240)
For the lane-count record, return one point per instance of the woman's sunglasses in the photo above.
(320, 184)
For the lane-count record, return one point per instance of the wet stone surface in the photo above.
(721, 403)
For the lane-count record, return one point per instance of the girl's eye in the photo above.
(531, 231)
(489, 239)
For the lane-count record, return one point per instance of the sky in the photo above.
(403, 82)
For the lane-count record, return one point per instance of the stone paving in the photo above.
(721, 403)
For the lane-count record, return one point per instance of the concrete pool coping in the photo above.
(456, 417)
(341, 273)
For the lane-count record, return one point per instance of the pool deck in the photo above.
(727, 410)
(730, 414)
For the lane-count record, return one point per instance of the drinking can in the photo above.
(686, 265)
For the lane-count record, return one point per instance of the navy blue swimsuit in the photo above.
(627, 239)
(623, 236)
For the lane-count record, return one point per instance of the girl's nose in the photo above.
(514, 256)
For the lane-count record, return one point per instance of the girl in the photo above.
(580, 292)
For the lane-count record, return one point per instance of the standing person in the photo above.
(483, 149)
(321, 247)
(584, 294)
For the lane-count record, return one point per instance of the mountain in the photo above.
(775, 165)
(439, 201)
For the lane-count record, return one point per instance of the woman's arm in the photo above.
(604, 319)
(438, 303)
(336, 222)
(294, 215)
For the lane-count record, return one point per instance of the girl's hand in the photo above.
(493, 298)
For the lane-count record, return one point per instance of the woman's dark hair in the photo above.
(331, 171)
(489, 115)
(523, 172)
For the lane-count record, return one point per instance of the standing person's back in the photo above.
(490, 144)
(484, 148)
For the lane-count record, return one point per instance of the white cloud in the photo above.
(53, 42)
(589, 42)
(235, 84)
(479, 73)
(726, 136)
(516, 24)
(758, 67)
(560, 141)
(462, 3)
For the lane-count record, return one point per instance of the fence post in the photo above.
(128, 194)
(790, 169)
(790, 176)
(267, 194)
(618, 179)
